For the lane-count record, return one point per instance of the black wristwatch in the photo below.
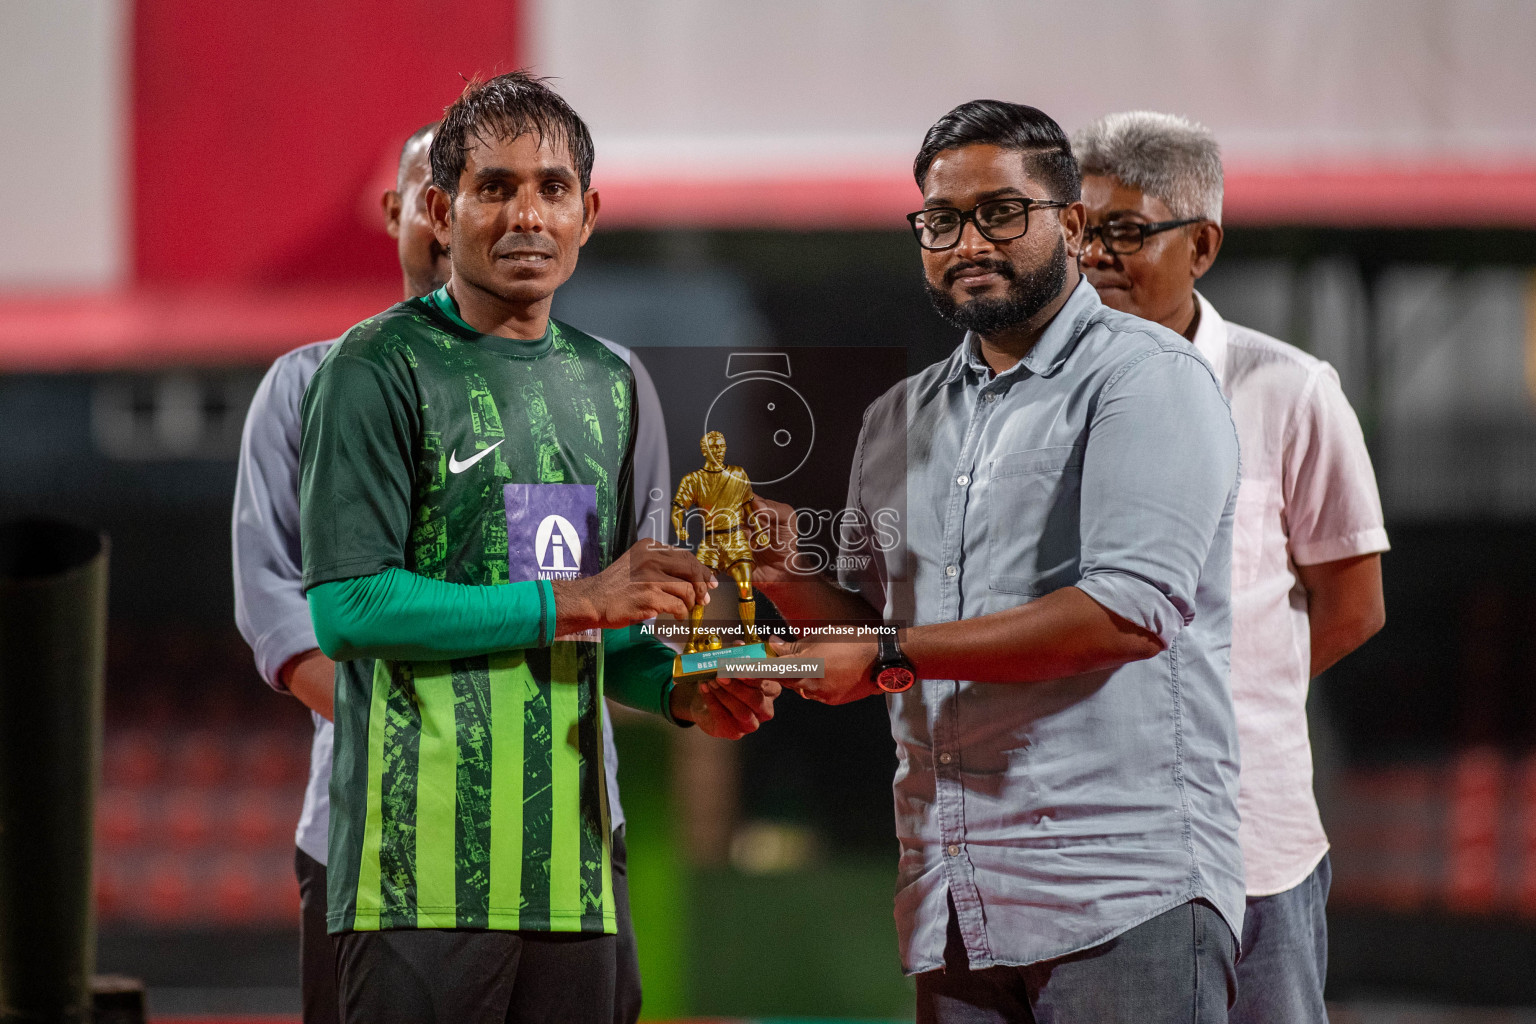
(892, 672)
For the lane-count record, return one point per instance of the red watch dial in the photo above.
(895, 679)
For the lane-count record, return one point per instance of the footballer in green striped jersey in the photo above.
(424, 748)
(467, 522)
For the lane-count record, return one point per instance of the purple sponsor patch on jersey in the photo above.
(553, 531)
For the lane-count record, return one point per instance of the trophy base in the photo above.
(706, 664)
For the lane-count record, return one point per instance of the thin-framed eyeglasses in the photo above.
(1124, 237)
(999, 220)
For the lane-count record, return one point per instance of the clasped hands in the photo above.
(651, 580)
(846, 665)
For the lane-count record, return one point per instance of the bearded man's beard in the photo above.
(1026, 295)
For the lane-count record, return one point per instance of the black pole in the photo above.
(53, 618)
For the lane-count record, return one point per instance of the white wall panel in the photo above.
(63, 143)
(747, 88)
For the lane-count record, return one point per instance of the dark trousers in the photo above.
(1177, 968)
(317, 953)
(626, 991)
(318, 950)
(465, 976)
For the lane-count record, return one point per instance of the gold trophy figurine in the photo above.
(724, 493)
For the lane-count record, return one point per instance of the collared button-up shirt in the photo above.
(1308, 496)
(1058, 814)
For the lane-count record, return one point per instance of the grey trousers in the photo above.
(1178, 968)
(1285, 955)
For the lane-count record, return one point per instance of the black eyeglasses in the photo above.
(999, 220)
(1123, 237)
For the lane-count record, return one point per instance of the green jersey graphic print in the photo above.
(468, 793)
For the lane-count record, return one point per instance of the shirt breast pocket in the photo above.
(1032, 524)
(1251, 525)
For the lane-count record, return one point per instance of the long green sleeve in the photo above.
(637, 671)
(398, 615)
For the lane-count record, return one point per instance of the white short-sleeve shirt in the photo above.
(1308, 496)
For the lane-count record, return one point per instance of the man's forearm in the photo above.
(1332, 641)
(311, 677)
(815, 600)
(1064, 633)
(1345, 607)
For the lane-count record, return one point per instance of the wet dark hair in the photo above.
(1045, 147)
(507, 107)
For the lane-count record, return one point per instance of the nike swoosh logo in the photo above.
(455, 466)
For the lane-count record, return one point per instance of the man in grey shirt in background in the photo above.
(1066, 792)
(273, 615)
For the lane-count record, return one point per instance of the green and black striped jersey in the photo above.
(467, 793)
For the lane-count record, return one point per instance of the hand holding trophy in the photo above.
(724, 494)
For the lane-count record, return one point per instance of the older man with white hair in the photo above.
(1307, 540)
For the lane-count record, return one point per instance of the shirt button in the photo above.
(953, 850)
(946, 757)
(990, 396)
(962, 479)
(950, 570)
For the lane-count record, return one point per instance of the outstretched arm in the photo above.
(400, 615)
(1064, 633)
(1147, 526)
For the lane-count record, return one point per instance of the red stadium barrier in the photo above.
(1472, 862)
(122, 818)
(1387, 850)
(196, 828)
(274, 759)
(1525, 831)
(236, 891)
(188, 818)
(203, 759)
(132, 758)
(261, 818)
(165, 894)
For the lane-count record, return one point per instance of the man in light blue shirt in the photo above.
(1065, 485)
